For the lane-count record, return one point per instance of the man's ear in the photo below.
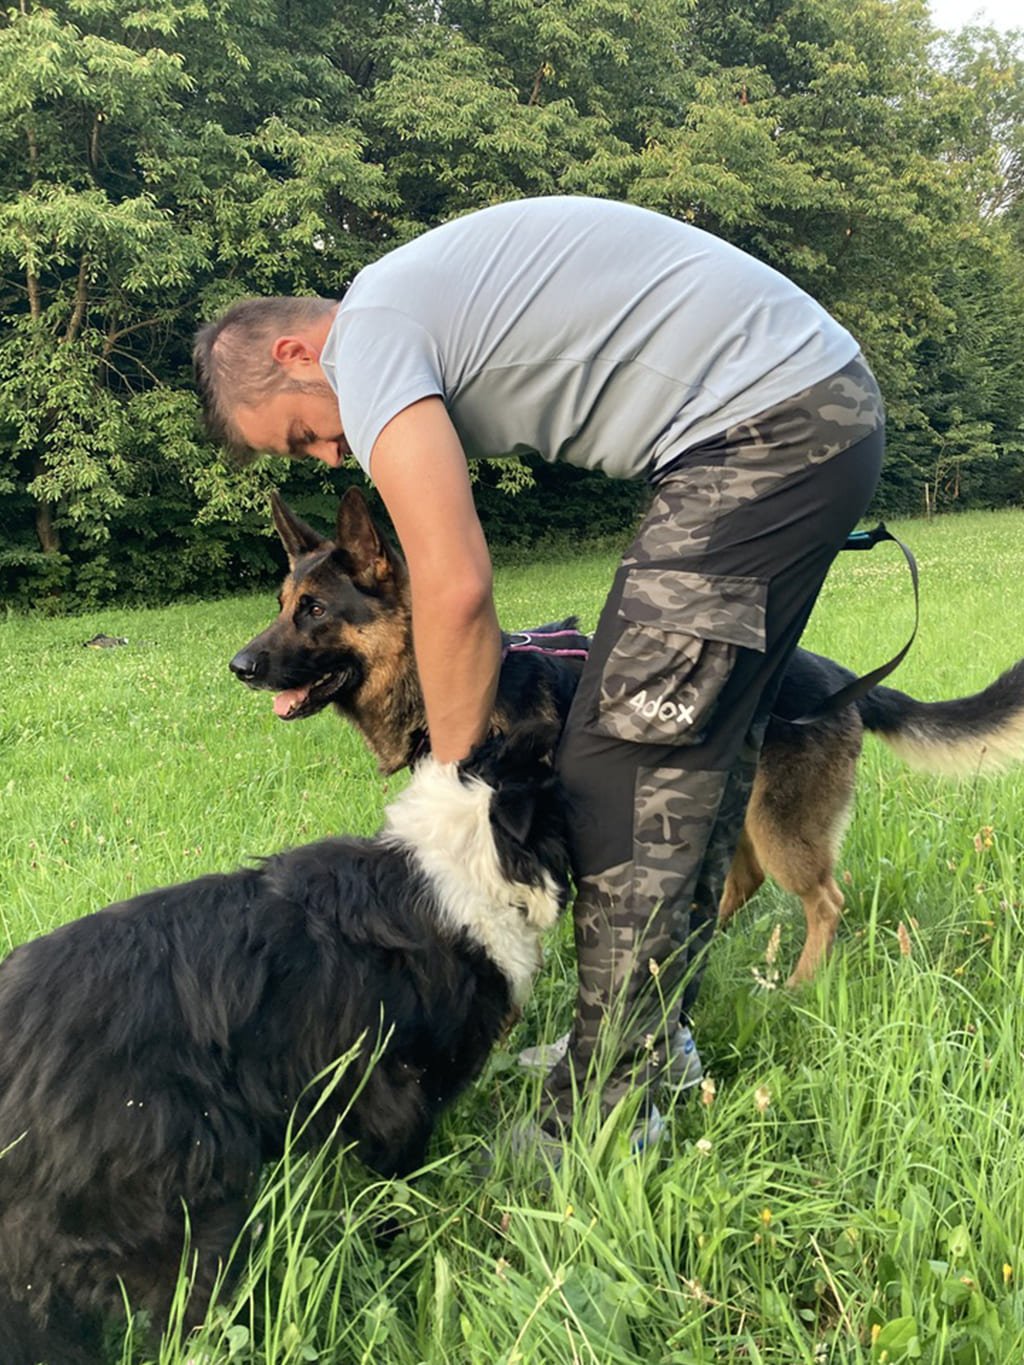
(297, 538)
(290, 351)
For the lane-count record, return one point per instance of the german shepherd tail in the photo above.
(977, 735)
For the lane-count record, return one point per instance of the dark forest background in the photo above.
(159, 160)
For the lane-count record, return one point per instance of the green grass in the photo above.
(869, 1210)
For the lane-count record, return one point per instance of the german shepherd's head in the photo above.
(343, 635)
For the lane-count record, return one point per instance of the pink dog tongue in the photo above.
(286, 702)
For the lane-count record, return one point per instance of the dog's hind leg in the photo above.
(804, 871)
(796, 820)
(823, 909)
(804, 866)
(743, 881)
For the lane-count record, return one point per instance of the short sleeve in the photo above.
(378, 361)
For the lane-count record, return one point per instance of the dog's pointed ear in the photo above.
(513, 808)
(358, 538)
(297, 538)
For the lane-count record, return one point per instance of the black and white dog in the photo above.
(153, 1054)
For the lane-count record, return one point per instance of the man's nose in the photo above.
(249, 665)
(326, 452)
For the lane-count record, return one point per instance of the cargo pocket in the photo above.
(678, 639)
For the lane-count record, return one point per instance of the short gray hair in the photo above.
(233, 363)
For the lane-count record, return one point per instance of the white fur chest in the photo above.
(444, 822)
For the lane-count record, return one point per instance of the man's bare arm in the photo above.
(419, 468)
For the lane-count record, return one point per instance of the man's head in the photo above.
(263, 387)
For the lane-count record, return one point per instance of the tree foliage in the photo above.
(158, 161)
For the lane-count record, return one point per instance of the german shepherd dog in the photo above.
(343, 637)
(154, 1055)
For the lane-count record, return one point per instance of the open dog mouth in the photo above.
(297, 702)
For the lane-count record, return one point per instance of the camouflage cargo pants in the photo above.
(662, 740)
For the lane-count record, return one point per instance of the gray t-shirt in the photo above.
(588, 331)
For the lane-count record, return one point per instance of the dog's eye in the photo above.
(309, 606)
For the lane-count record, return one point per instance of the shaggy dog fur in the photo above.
(154, 1054)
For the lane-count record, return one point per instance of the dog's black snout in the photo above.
(248, 665)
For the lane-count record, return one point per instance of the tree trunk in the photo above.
(46, 530)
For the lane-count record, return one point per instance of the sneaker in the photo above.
(683, 1072)
(685, 1068)
(544, 1056)
(647, 1133)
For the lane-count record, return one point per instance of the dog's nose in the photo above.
(247, 665)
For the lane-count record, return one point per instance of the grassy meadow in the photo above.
(853, 1188)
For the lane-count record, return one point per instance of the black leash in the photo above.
(866, 540)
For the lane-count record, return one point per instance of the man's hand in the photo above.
(419, 467)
